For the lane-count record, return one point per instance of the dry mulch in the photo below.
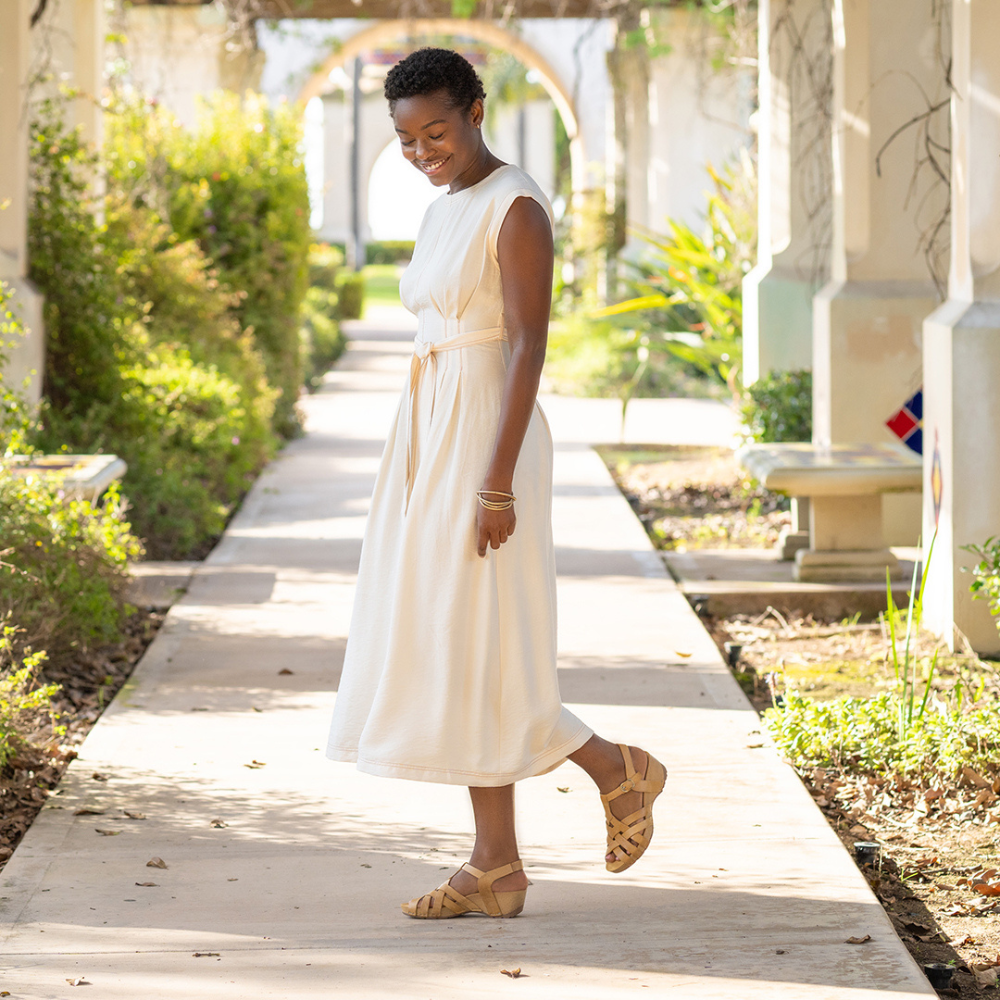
(696, 497)
(88, 682)
(938, 876)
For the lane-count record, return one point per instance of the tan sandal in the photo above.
(446, 902)
(628, 838)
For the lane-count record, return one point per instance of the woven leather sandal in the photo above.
(628, 838)
(446, 902)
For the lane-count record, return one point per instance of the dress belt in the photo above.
(423, 354)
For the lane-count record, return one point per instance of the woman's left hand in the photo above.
(494, 527)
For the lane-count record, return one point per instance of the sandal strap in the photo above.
(444, 897)
(633, 782)
(485, 884)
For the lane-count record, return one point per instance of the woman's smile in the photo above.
(432, 167)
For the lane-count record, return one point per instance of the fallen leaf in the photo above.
(986, 888)
(959, 941)
(147, 885)
(513, 973)
(89, 811)
(684, 656)
(237, 880)
(754, 746)
(156, 863)
(566, 789)
(912, 925)
(859, 940)
(134, 815)
(256, 709)
(107, 833)
(205, 954)
(79, 981)
(975, 778)
(218, 824)
(985, 977)
(858, 831)
(285, 670)
(97, 776)
(363, 865)
(4, 993)
(253, 765)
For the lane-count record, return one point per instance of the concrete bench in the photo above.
(841, 487)
(83, 477)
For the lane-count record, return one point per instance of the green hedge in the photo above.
(147, 357)
(350, 294)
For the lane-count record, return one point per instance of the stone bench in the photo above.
(841, 487)
(83, 477)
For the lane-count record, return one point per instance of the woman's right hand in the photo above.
(494, 527)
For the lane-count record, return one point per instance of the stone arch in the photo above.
(484, 31)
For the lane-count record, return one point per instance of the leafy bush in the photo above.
(15, 415)
(22, 701)
(146, 356)
(986, 585)
(237, 185)
(862, 734)
(63, 564)
(87, 321)
(778, 407)
(687, 297)
(351, 294)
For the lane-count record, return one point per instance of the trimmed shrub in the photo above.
(350, 294)
(778, 407)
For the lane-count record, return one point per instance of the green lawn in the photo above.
(381, 285)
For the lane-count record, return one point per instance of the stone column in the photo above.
(795, 185)
(89, 24)
(962, 341)
(888, 72)
(27, 356)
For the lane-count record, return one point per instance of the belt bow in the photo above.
(424, 355)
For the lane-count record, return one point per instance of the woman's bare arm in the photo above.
(524, 249)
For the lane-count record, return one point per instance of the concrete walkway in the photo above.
(284, 872)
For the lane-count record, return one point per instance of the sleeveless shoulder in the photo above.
(511, 184)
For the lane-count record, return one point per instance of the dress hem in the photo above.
(542, 764)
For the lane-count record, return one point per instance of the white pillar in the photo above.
(15, 59)
(962, 340)
(795, 172)
(867, 320)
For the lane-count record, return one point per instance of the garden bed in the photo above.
(938, 875)
(88, 682)
(690, 497)
(940, 833)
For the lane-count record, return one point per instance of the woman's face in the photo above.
(442, 143)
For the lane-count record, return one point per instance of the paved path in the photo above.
(294, 892)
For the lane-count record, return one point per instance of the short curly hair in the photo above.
(428, 70)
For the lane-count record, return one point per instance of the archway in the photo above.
(484, 31)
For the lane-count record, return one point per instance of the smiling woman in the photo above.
(450, 668)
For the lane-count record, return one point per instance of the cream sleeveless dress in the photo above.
(450, 667)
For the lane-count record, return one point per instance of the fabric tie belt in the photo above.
(423, 355)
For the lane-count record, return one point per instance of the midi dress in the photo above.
(450, 665)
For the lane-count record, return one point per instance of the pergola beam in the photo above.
(486, 10)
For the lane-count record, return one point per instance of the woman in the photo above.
(450, 668)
